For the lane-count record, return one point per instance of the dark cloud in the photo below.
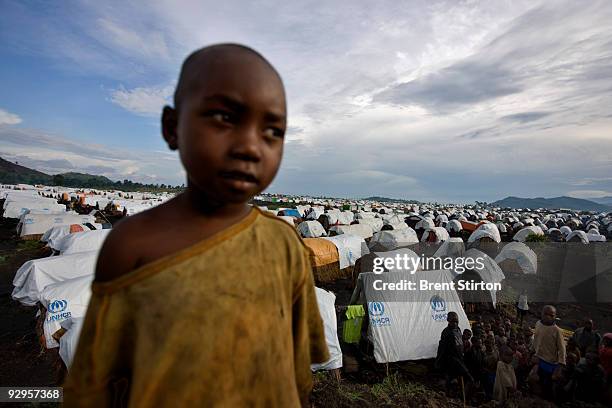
(479, 133)
(38, 139)
(454, 87)
(525, 117)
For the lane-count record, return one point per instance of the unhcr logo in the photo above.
(58, 306)
(376, 308)
(437, 304)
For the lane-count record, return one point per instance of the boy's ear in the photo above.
(169, 123)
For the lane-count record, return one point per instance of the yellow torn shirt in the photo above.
(232, 321)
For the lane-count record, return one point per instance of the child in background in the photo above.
(505, 379)
(205, 300)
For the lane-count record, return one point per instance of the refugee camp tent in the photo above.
(577, 236)
(288, 219)
(596, 237)
(327, 309)
(289, 212)
(435, 235)
(311, 229)
(35, 275)
(453, 226)
(375, 223)
(518, 258)
(523, 233)
(486, 231)
(451, 248)
(361, 230)
(407, 324)
(35, 225)
(63, 300)
(14, 208)
(392, 239)
(489, 273)
(68, 342)
(350, 248)
(424, 223)
(81, 242)
(325, 260)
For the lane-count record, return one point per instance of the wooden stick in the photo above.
(463, 390)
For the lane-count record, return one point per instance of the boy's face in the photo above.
(230, 127)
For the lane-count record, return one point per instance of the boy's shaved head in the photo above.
(199, 62)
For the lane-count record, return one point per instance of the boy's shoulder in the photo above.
(279, 228)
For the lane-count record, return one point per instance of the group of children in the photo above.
(504, 359)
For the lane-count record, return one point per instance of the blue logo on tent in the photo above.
(376, 308)
(437, 304)
(58, 306)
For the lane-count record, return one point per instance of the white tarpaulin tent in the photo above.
(37, 274)
(70, 339)
(326, 301)
(440, 235)
(81, 242)
(64, 300)
(362, 230)
(392, 239)
(491, 273)
(523, 233)
(406, 325)
(350, 248)
(311, 229)
(453, 248)
(526, 259)
(485, 230)
(33, 224)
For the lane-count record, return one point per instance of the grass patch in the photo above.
(29, 245)
(393, 388)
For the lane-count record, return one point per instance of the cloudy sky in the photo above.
(430, 100)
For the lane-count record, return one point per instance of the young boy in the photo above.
(505, 379)
(203, 300)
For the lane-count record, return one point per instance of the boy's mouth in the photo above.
(239, 180)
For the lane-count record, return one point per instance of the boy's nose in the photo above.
(247, 145)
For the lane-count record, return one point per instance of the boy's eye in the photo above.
(273, 132)
(220, 116)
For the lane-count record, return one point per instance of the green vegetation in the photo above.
(536, 238)
(13, 173)
(393, 388)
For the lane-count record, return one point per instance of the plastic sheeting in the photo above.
(406, 325)
(81, 242)
(361, 230)
(580, 234)
(522, 234)
(37, 274)
(393, 239)
(40, 223)
(440, 233)
(326, 302)
(64, 300)
(485, 230)
(350, 248)
(70, 340)
(375, 223)
(18, 207)
(491, 273)
(522, 254)
(453, 248)
(453, 225)
(311, 229)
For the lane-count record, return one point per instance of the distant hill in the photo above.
(12, 173)
(603, 200)
(552, 203)
(391, 200)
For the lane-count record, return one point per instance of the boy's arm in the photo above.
(308, 333)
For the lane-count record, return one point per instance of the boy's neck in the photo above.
(197, 201)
